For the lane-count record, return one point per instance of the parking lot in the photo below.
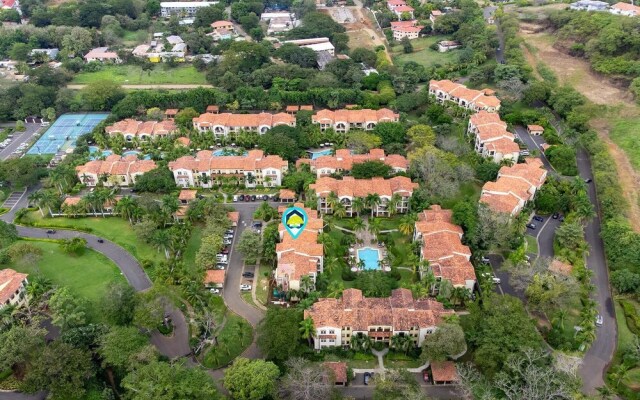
(17, 145)
(12, 200)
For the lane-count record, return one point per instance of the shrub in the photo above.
(631, 316)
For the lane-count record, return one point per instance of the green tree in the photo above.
(8, 234)
(75, 246)
(390, 132)
(251, 379)
(362, 142)
(184, 118)
(250, 246)
(210, 246)
(205, 16)
(158, 180)
(563, 159)
(375, 283)
(279, 333)
(19, 345)
(446, 341)
(625, 281)
(102, 95)
(163, 381)
(397, 384)
(370, 169)
(119, 347)
(68, 311)
(118, 304)
(421, 135)
(407, 47)
(307, 329)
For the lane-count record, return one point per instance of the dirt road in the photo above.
(147, 87)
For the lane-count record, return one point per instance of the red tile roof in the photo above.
(116, 165)
(138, 128)
(214, 276)
(339, 370)
(444, 371)
(344, 160)
(10, 282)
(287, 194)
(204, 161)
(478, 97)
(244, 120)
(186, 194)
(351, 187)
(354, 116)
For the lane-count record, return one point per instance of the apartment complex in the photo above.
(399, 7)
(339, 321)
(393, 194)
(301, 257)
(343, 120)
(343, 161)
(442, 246)
(206, 170)
(115, 170)
(143, 130)
(514, 187)
(226, 123)
(12, 288)
(409, 29)
(474, 100)
(183, 8)
(492, 140)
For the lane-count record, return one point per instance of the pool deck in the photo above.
(365, 239)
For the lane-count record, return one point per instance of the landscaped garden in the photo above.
(423, 54)
(135, 75)
(232, 340)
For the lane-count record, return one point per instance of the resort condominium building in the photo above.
(115, 170)
(339, 321)
(343, 120)
(183, 8)
(514, 187)
(441, 242)
(12, 288)
(492, 140)
(131, 128)
(391, 195)
(207, 170)
(343, 161)
(301, 257)
(226, 123)
(475, 100)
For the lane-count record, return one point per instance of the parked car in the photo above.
(51, 231)
(247, 198)
(486, 260)
(225, 250)
(100, 240)
(245, 287)
(214, 291)
(240, 197)
(221, 266)
(599, 320)
(588, 180)
(496, 280)
(538, 218)
(555, 216)
(367, 376)
(425, 375)
(247, 274)
(235, 198)
(229, 232)
(227, 242)
(257, 224)
(253, 197)
(531, 226)
(265, 197)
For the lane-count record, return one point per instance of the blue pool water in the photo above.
(316, 154)
(95, 149)
(370, 257)
(136, 153)
(226, 152)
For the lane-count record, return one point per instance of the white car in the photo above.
(214, 291)
(245, 287)
(496, 280)
(599, 320)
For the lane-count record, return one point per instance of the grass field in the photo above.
(87, 276)
(233, 339)
(115, 229)
(532, 244)
(132, 38)
(624, 134)
(134, 75)
(422, 54)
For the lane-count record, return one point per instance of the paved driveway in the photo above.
(18, 139)
(534, 143)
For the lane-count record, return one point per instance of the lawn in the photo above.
(624, 134)
(134, 75)
(193, 245)
(532, 244)
(133, 38)
(87, 276)
(112, 228)
(233, 339)
(262, 283)
(423, 55)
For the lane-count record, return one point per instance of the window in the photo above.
(323, 332)
(331, 332)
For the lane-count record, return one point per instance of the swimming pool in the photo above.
(95, 149)
(136, 153)
(370, 257)
(227, 152)
(320, 153)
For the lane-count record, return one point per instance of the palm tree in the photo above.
(49, 200)
(375, 226)
(169, 206)
(361, 342)
(38, 286)
(407, 224)
(459, 294)
(126, 207)
(401, 342)
(332, 200)
(161, 240)
(36, 198)
(393, 203)
(339, 211)
(306, 284)
(335, 289)
(618, 372)
(372, 200)
(357, 205)
(307, 329)
(604, 392)
(358, 224)
(559, 317)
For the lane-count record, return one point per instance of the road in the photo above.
(500, 50)
(599, 355)
(534, 143)
(18, 139)
(168, 86)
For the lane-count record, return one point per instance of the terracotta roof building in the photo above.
(143, 130)
(536, 130)
(627, 9)
(475, 100)
(234, 217)
(222, 25)
(12, 288)
(186, 196)
(409, 29)
(299, 257)
(207, 170)
(343, 120)
(396, 190)
(114, 170)
(492, 139)
(337, 321)
(339, 372)
(226, 123)
(102, 54)
(444, 373)
(287, 195)
(441, 241)
(343, 161)
(214, 277)
(514, 187)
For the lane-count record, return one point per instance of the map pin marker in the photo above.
(294, 220)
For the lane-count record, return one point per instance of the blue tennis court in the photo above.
(63, 133)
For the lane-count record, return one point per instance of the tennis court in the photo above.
(63, 133)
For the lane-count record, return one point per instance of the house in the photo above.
(444, 373)
(515, 186)
(589, 5)
(343, 161)
(343, 120)
(474, 100)
(13, 288)
(108, 207)
(287, 196)
(102, 54)
(228, 25)
(187, 196)
(394, 194)
(183, 141)
(408, 29)
(399, 7)
(492, 139)
(434, 15)
(447, 45)
(206, 170)
(535, 130)
(300, 257)
(182, 8)
(131, 129)
(234, 217)
(442, 247)
(279, 22)
(489, 14)
(213, 109)
(52, 54)
(114, 170)
(10, 5)
(222, 30)
(315, 44)
(338, 371)
(214, 278)
(627, 9)
(338, 321)
(155, 51)
(226, 123)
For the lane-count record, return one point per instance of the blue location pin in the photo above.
(294, 220)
